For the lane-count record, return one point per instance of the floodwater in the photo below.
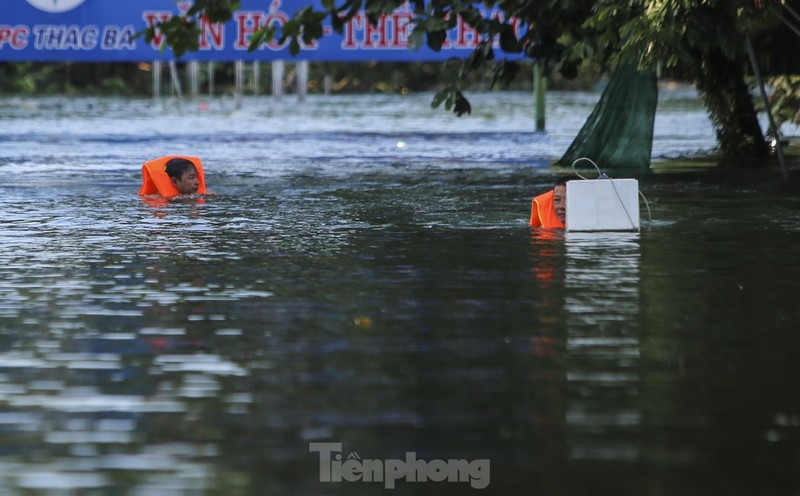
(364, 277)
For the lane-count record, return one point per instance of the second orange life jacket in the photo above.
(543, 212)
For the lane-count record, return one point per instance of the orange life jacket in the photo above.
(543, 213)
(156, 180)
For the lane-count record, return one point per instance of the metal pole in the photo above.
(277, 78)
(773, 129)
(238, 82)
(193, 82)
(176, 83)
(211, 80)
(156, 80)
(302, 80)
(539, 90)
(256, 77)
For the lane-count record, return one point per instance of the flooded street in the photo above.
(364, 275)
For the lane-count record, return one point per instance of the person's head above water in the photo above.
(560, 198)
(183, 175)
(549, 210)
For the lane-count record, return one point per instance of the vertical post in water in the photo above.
(238, 80)
(194, 87)
(156, 80)
(210, 80)
(256, 77)
(176, 82)
(277, 78)
(539, 91)
(302, 80)
(773, 129)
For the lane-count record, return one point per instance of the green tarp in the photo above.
(619, 132)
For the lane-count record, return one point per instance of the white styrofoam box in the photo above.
(603, 205)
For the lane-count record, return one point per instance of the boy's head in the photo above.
(183, 174)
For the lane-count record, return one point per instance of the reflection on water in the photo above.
(603, 310)
(340, 289)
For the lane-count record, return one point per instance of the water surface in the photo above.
(365, 275)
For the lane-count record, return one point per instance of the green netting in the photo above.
(619, 132)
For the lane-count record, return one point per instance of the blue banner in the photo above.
(104, 31)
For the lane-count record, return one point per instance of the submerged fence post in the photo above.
(238, 76)
(277, 78)
(156, 80)
(176, 82)
(194, 86)
(539, 90)
(302, 80)
(211, 80)
(256, 77)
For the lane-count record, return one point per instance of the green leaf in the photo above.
(438, 98)
(434, 24)
(471, 16)
(448, 103)
(337, 24)
(417, 38)
(294, 46)
(462, 105)
(505, 72)
(486, 50)
(436, 39)
(354, 9)
(508, 42)
(261, 36)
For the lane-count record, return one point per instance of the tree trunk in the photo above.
(721, 84)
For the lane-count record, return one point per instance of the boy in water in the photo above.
(183, 175)
(172, 176)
